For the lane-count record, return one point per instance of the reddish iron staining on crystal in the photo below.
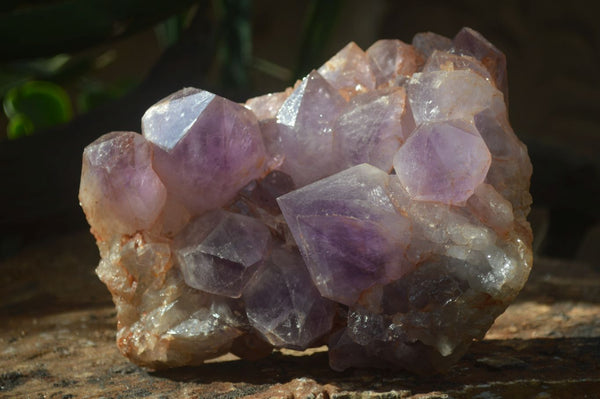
(378, 206)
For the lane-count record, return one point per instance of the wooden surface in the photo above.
(58, 331)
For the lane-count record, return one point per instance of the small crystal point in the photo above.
(373, 127)
(284, 305)
(267, 106)
(305, 130)
(349, 71)
(428, 42)
(443, 61)
(470, 42)
(120, 192)
(392, 61)
(219, 251)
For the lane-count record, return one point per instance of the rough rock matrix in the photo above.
(379, 207)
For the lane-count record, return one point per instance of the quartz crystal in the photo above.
(378, 206)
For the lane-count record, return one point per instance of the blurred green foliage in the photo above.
(38, 93)
(35, 105)
(233, 41)
(321, 18)
(94, 93)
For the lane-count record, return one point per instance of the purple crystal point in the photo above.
(428, 42)
(211, 150)
(442, 162)
(349, 71)
(378, 206)
(305, 122)
(511, 169)
(266, 107)
(470, 42)
(347, 231)
(284, 305)
(219, 251)
(443, 61)
(392, 61)
(451, 95)
(373, 127)
(120, 192)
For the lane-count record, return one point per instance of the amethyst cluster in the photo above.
(378, 207)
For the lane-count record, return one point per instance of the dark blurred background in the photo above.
(72, 70)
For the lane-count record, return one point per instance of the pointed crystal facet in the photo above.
(305, 130)
(470, 42)
(442, 162)
(213, 149)
(451, 95)
(427, 42)
(219, 251)
(373, 127)
(349, 71)
(348, 231)
(392, 61)
(120, 192)
(284, 305)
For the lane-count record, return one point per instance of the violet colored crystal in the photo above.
(206, 148)
(442, 162)
(219, 251)
(471, 42)
(284, 305)
(349, 71)
(372, 128)
(428, 42)
(379, 207)
(348, 231)
(392, 61)
(121, 193)
(305, 129)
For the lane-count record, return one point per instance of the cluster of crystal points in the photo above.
(379, 207)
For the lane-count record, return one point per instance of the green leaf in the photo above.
(19, 126)
(36, 105)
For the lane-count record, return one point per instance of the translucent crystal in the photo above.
(305, 129)
(470, 42)
(450, 95)
(392, 61)
(349, 71)
(206, 147)
(219, 251)
(442, 162)
(372, 128)
(378, 206)
(348, 231)
(428, 42)
(284, 305)
(443, 61)
(120, 192)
